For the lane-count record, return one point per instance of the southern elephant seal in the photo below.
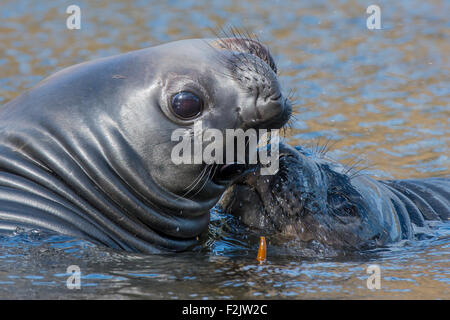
(319, 203)
(87, 151)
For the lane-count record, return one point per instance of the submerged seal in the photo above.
(315, 201)
(86, 152)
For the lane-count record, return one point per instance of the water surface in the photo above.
(381, 96)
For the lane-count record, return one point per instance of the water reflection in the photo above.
(107, 274)
(381, 95)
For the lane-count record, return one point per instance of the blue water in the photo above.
(383, 96)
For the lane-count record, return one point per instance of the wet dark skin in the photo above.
(314, 200)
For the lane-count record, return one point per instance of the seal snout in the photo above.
(254, 69)
(264, 102)
(274, 112)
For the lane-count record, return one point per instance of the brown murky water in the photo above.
(381, 95)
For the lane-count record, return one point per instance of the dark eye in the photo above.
(186, 105)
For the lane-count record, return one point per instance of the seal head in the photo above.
(87, 151)
(314, 202)
(308, 201)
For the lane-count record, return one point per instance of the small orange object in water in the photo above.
(261, 257)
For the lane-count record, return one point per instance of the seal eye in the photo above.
(186, 105)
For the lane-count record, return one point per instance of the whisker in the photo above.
(197, 179)
(210, 168)
(360, 172)
(353, 165)
(330, 146)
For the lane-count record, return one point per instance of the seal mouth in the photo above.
(241, 173)
(231, 172)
